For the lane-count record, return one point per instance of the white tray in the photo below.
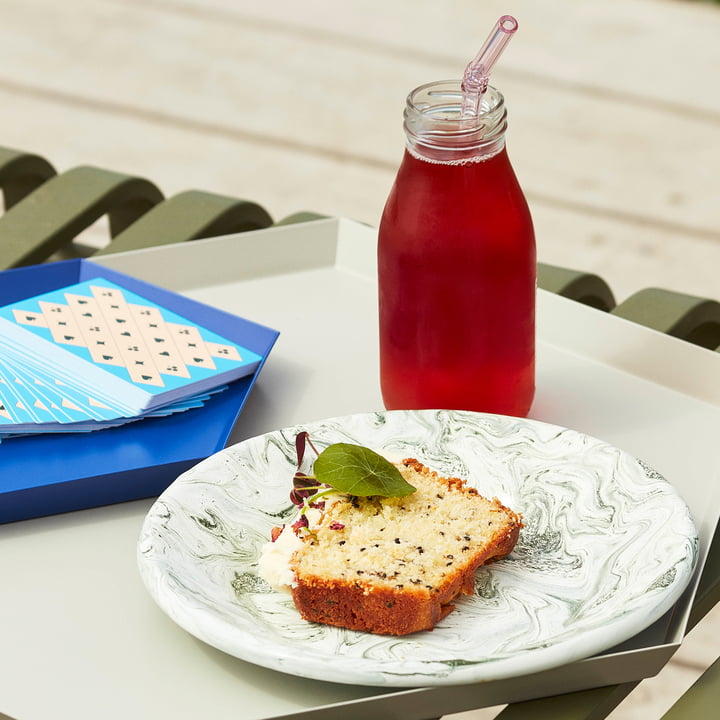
(649, 394)
(596, 373)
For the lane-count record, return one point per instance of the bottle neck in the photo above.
(437, 132)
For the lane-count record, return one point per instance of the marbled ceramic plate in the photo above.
(607, 549)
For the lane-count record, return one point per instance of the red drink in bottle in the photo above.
(456, 261)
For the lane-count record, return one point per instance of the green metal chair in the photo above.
(688, 317)
(584, 287)
(46, 211)
(21, 173)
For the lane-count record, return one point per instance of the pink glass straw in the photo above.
(477, 73)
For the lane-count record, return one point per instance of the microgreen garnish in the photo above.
(357, 470)
(346, 468)
(303, 485)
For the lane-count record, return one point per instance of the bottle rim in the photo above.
(433, 120)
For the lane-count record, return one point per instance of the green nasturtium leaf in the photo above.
(357, 470)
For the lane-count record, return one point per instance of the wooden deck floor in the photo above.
(614, 120)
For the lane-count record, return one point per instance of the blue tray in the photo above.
(49, 474)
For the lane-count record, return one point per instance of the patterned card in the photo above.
(95, 354)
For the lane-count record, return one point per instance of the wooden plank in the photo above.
(628, 256)
(343, 102)
(662, 52)
(178, 158)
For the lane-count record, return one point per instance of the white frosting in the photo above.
(274, 563)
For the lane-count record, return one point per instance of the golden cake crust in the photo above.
(411, 581)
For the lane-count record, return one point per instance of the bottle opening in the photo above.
(437, 130)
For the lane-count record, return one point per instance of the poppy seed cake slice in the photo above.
(394, 565)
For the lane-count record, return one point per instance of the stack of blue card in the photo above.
(94, 355)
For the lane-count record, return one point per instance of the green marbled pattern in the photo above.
(607, 549)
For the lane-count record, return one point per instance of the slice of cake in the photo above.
(391, 565)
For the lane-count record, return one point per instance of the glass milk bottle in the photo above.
(456, 263)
